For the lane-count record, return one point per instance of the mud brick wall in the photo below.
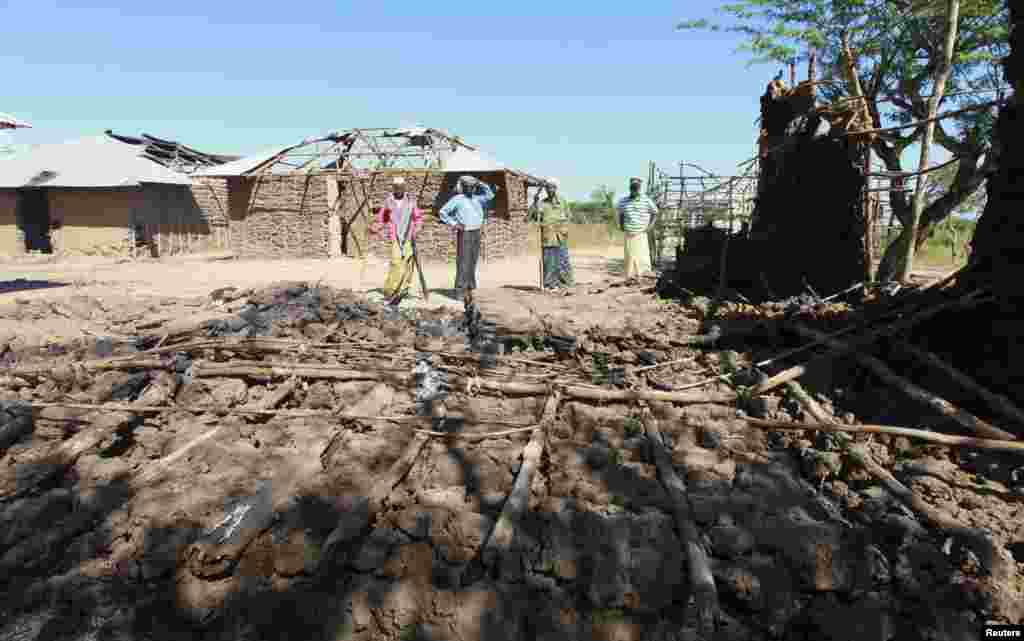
(172, 221)
(434, 241)
(285, 216)
(211, 195)
(288, 216)
(507, 233)
(504, 234)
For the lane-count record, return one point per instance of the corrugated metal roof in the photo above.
(463, 159)
(95, 161)
(242, 166)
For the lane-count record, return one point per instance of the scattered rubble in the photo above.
(471, 480)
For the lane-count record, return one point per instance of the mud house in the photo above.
(107, 194)
(316, 199)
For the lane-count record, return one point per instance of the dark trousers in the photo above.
(467, 254)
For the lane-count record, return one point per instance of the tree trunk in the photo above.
(969, 178)
(952, 15)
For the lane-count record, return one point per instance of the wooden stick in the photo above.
(996, 402)
(500, 540)
(795, 372)
(701, 578)
(940, 405)
(296, 413)
(270, 372)
(377, 498)
(156, 467)
(979, 540)
(942, 282)
(578, 392)
(480, 436)
(272, 400)
(647, 368)
(931, 437)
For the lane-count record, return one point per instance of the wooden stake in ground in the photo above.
(499, 543)
(701, 578)
(923, 396)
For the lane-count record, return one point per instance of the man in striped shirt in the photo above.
(637, 214)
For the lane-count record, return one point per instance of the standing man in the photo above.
(637, 214)
(466, 212)
(553, 216)
(401, 217)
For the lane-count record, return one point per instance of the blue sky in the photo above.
(587, 92)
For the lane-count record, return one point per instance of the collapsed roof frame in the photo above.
(171, 154)
(365, 150)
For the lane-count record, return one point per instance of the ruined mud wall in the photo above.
(505, 235)
(290, 216)
(211, 196)
(808, 220)
(809, 216)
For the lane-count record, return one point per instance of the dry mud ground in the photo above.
(137, 537)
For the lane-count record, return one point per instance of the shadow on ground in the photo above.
(21, 285)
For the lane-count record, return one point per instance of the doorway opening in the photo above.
(33, 216)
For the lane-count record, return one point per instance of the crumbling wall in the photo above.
(808, 224)
(211, 196)
(808, 221)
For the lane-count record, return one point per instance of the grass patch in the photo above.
(599, 375)
(608, 615)
(615, 456)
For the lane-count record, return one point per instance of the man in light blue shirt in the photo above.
(466, 212)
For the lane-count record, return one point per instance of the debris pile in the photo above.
(578, 486)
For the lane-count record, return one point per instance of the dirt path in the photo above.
(198, 276)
